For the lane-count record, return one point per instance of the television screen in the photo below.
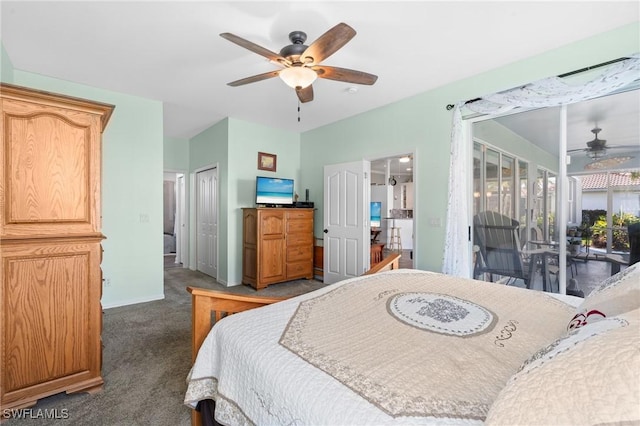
(276, 191)
(376, 208)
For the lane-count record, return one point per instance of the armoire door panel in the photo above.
(50, 160)
(271, 224)
(49, 297)
(48, 180)
(272, 260)
(38, 341)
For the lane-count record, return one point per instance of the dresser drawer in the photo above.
(300, 214)
(305, 239)
(300, 269)
(299, 225)
(299, 253)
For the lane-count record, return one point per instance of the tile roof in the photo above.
(599, 181)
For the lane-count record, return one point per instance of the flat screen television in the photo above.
(376, 209)
(274, 191)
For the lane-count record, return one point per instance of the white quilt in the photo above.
(255, 380)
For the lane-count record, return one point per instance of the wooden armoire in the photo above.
(277, 245)
(50, 245)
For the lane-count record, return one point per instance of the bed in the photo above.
(416, 347)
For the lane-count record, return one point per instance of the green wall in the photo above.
(423, 125)
(232, 146)
(176, 154)
(131, 190)
(6, 67)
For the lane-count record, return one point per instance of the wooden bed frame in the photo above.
(208, 305)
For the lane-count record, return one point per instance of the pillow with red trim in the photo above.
(617, 294)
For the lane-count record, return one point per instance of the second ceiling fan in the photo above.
(300, 64)
(597, 148)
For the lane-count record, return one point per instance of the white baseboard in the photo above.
(133, 301)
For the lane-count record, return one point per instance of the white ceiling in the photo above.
(172, 52)
(618, 116)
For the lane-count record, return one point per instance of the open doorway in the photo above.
(518, 173)
(393, 195)
(174, 220)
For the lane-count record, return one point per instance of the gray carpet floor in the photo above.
(146, 359)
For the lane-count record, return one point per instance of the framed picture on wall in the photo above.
(266, 162)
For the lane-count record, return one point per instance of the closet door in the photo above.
(207, 222)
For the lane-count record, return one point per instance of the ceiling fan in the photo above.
(300, 64)
(597, 148)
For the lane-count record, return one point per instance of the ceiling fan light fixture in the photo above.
(298, 76)
(596, 154)
(607, 163)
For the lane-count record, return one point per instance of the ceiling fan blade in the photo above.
(254, 48)
(344, 74)
(623, 146)
(328, 43)
(254, 78)
(306, 94)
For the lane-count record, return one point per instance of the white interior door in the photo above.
(207, 222)
(346, 220)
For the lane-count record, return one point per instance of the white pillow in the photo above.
(590, 376)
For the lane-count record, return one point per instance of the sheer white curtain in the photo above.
(553, 91)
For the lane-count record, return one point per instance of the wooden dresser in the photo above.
(277, 245)
(50, 245)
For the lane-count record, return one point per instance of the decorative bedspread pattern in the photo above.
(401, 336)
(256, 380)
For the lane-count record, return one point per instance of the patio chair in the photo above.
(498, 244)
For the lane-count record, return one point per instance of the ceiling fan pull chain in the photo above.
(298, 110)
